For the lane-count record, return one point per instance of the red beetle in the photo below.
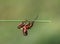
(25, 25)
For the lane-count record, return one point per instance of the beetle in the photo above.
(25, 26)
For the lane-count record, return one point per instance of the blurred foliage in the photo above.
(41, 32)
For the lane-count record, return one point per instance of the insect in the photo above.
(25, 26)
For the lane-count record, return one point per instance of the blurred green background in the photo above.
(41, 32)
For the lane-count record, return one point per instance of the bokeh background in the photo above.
(41, 32)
